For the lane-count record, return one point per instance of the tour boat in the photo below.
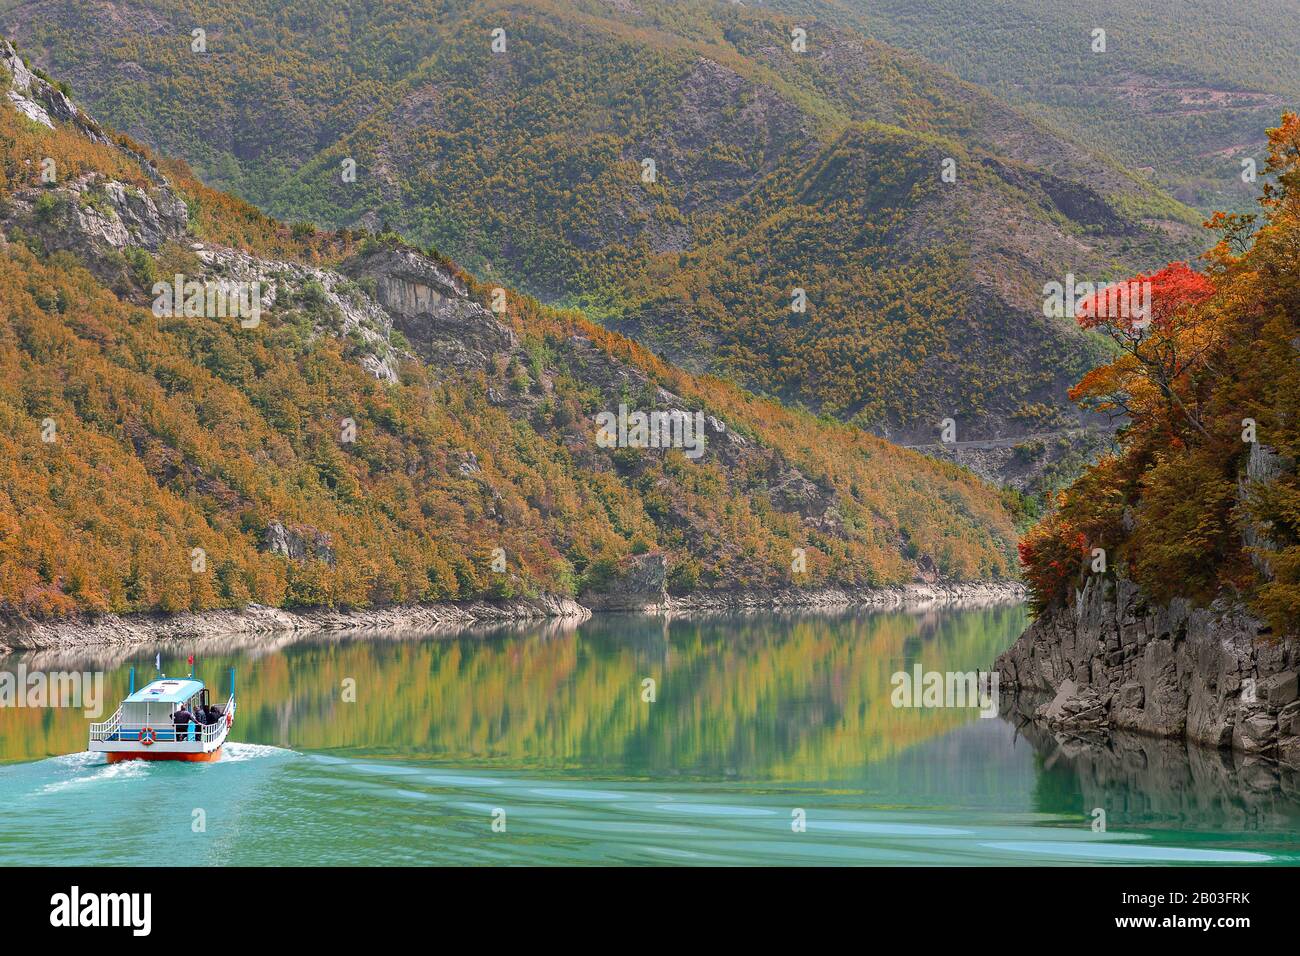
(146, 726)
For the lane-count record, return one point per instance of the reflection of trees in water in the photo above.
(1160, 782)
(790, 698)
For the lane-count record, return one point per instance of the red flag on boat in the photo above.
(191, 660)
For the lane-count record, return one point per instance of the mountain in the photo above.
(774, 171)
(1172, 92)
(204, 407)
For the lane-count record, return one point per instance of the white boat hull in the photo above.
(137, 742)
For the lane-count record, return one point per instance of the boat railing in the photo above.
(214, 731)
(103, 729)
(115, 730)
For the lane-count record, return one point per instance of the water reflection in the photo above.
(1161, 783)
(758, 696)
(753, 716)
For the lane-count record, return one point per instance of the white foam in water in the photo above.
(100, 771)
(236, 752)
(1119, 853)
(715, 810)
(232, 752)
(83, 759)
(556, 793)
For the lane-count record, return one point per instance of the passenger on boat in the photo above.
(212, 715)
(182, 719)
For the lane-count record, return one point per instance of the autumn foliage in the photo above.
(1201, 498)
(1164, 339)
(179, 440)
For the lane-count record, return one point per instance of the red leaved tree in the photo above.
(1165, 341)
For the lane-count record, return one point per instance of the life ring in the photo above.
(230, 720)
(147, 736)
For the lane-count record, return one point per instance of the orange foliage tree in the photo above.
(1207, 380)
(1164, 339)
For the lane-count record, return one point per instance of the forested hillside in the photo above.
(385, 430)
(1173, 92)
(1203, 499)
(775, 169)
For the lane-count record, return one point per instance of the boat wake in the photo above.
(237, 752)
(83, 759)
(82, 769)
(89, 768)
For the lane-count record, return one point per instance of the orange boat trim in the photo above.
(114, 756)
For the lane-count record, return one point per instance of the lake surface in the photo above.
(769, 740)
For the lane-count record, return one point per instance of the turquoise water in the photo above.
(768, 740)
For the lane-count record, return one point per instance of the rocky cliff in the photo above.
(1215, 676)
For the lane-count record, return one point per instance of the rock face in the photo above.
(1213, 676)
(96, 218)
(89, 215)
(638, 585)
(1075, 708)
(39, 100)
(353, 314)
(1262, 467)
(432, 309)
(297, 544)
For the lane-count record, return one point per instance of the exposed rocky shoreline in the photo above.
(112, 629)
(1212, 676)
(118, 630)
(919, 596)
(641, 585)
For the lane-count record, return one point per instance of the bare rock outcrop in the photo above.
(1215, 676)
(1263, 465)
(41, 101)
(298, 544)
(638, 584)
(919, 596)
(96, 219)
(431, 307)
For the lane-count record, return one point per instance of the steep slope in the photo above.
(529, 165)
(1184, 89)
(1167, 579)
(915, 291)
(326, 419)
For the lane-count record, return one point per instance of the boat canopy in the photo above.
(167, 690)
